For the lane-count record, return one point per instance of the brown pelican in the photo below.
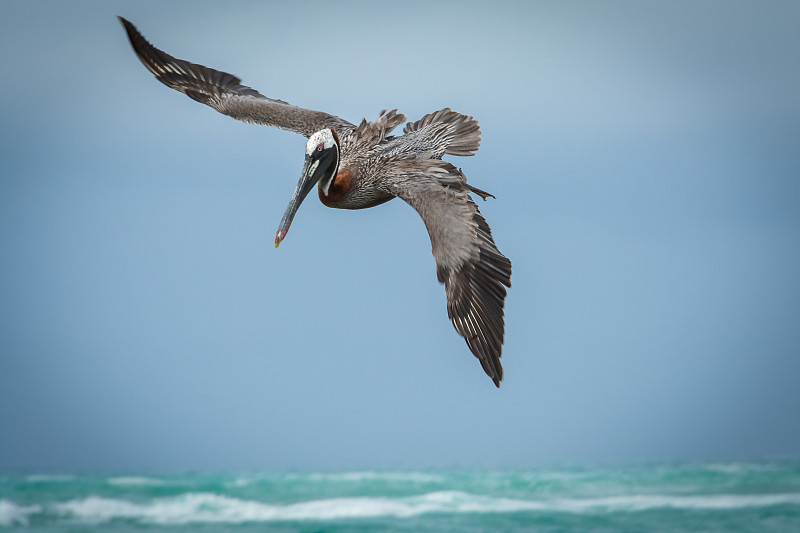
(362, 166)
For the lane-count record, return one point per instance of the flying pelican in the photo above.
(362, 166)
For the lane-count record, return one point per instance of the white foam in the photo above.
(242, 482)
(48, 478)
(740, 468)
(711, 502)
(345, 477)
(12, 514)
(369, 475)
(213, 508)
(133, 481)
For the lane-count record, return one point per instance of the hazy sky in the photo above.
(645, 157)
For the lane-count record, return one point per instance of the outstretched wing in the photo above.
(473, 270)
(224, 92)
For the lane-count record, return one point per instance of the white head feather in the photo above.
(322, 137)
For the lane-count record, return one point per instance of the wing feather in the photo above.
(473, 270)
(446, 132)
(225, 93)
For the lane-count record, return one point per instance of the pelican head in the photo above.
(321, 164)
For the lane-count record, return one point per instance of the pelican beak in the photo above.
(309, 177)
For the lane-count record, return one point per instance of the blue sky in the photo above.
(645, 161)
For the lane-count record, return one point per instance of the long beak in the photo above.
(308, 179)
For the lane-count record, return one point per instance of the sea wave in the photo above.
(366, 476)
(12, 514)
(215, 508)
(369, 475)
(133, 481)
(646, 502)
(49, 478)
(738, 468)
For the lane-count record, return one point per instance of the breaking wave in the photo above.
(49, 478)
(12, 514)
(214, 508)
(128, 481)
(366, 476)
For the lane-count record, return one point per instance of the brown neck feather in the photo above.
(341, 184)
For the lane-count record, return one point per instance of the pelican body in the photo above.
(355, 167)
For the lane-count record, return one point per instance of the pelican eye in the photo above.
(319, 148)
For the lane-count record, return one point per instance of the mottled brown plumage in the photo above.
(355, 167)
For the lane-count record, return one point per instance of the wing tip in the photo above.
(475, 304)
(141, 46)
(130, 29)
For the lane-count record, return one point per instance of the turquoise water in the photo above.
(758, 496)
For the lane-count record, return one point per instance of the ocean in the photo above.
(752, 496)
